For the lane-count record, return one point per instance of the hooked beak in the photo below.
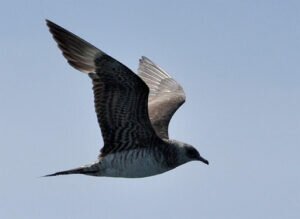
(203, 160)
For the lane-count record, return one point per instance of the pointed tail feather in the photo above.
(79, 170)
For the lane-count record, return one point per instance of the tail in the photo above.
(79, 53)
(80, 170)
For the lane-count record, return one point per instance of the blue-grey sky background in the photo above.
(238, 62)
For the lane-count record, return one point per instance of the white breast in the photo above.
(132, 164)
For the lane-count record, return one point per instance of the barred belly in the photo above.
(133, 163)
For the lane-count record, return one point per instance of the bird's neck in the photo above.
(177, 149)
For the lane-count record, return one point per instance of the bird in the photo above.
(133, 112)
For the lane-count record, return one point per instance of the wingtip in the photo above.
(52, 25)
(48, 22)
(144, 59)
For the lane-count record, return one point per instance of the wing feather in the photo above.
(120, 96)
(165, 97)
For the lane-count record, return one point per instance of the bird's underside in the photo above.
(133, 112)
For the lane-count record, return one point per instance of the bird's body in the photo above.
(132, 164)
(133, 112)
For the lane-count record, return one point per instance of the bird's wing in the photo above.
(121, 97)
(165, 97)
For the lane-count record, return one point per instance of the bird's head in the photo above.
(188, 152)
(192, 154)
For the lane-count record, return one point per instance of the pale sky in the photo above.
(238, 62)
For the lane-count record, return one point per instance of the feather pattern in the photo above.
(133, 112)
(79, 53)
(165, 97)
(120, 96)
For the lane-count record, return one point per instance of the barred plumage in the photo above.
(135, 145)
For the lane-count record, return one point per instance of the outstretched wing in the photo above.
(165, 97)
(121, 97)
